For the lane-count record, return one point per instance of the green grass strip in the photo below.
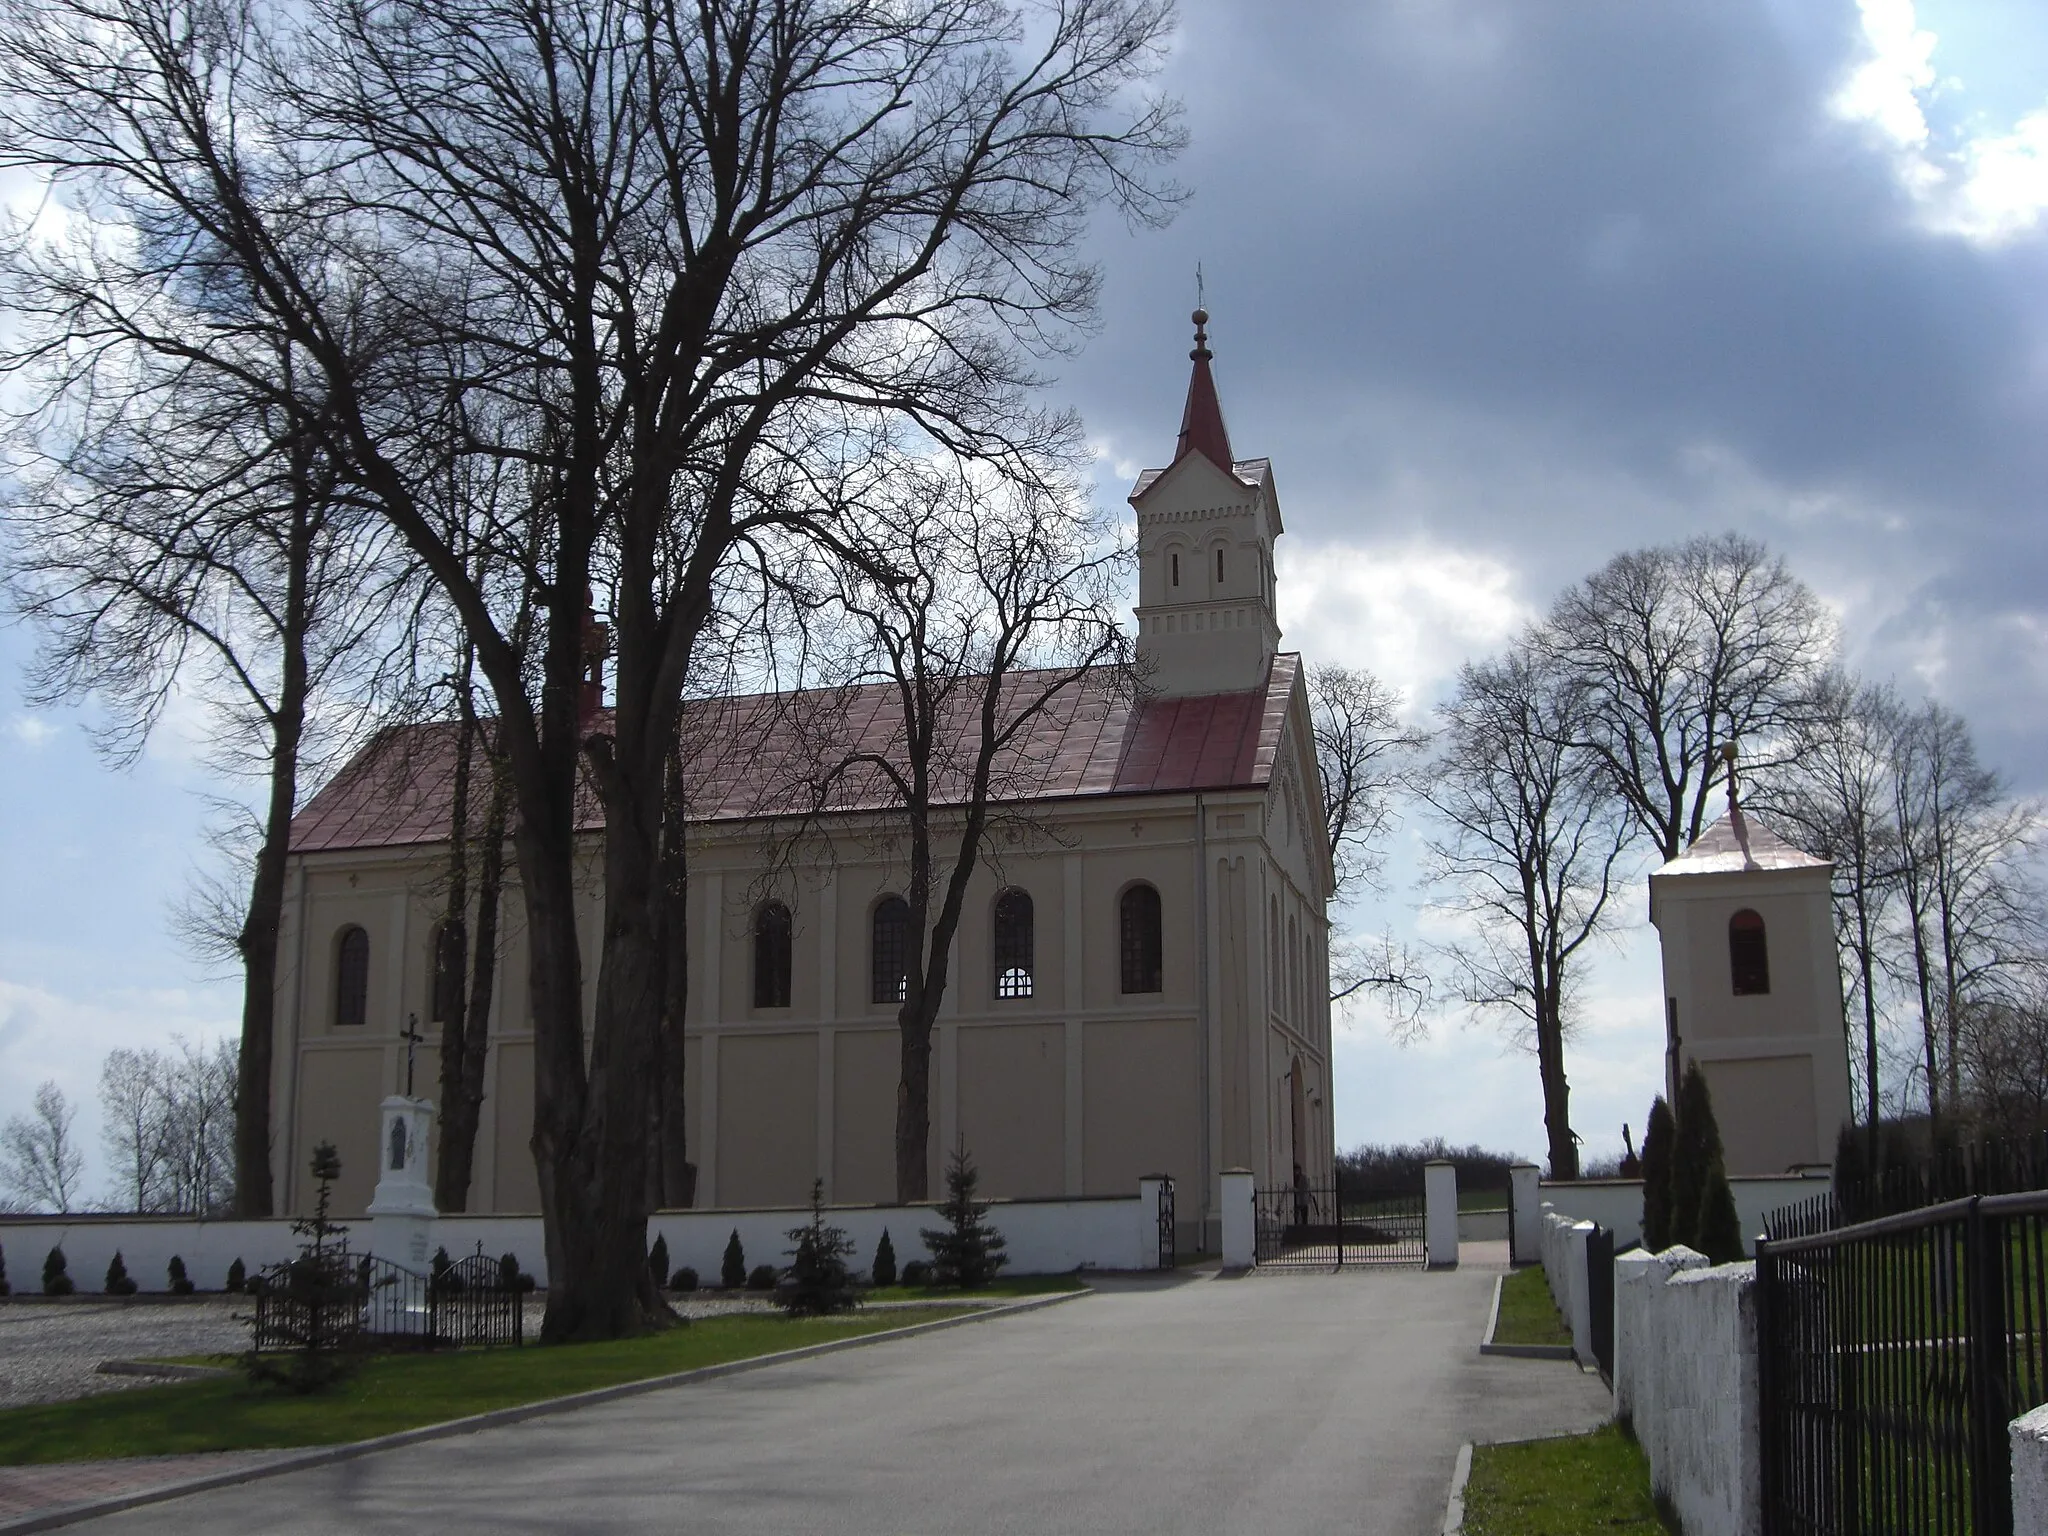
(394, 1392)
(1527, 1314)
(1582, 1485)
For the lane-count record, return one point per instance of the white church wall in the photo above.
(1617, 1204)
(1043, 1237)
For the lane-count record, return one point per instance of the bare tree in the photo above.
(1971, 914)
(1364, 754)
(39, 1161)
(1525, 846)
(1833, 793)
(1673, 651)
(2003, 1064)
(653, 256)
(133, 1132)
(180, 531)
(977, 610)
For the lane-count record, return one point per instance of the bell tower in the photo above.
(1206, 528)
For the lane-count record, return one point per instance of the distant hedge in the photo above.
(1372, 1168)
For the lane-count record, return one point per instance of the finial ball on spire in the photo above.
(1201, 317)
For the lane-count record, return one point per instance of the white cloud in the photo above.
(1411, 612)
(31, 731)
(1984, 186)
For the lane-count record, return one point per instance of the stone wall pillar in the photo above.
(1240, 1237)
(1525, 1218)
(1440, 1213)
(2030, 1473)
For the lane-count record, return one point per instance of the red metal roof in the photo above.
(768, 754)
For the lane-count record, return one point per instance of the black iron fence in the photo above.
(1600, 1299)
(336, 1300)
(1321, 1226)
(2006, 1166)
(1168, 1254)
(1892, 1355)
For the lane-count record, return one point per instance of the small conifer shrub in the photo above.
(118, 1281)
(317, 1329)
(5, 1288)
(1657, 1138)
(818, 1279)
(684, 1279)
(761, 1278)
(56, 1280)
(883, 1270)
(657, 1260)
(732, 1270)
(918, 1272)
(967, 1251)
(181, 1283)
(1719, 1235)
(238, 1276)
(1693, 1150)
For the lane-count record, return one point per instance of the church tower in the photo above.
(1206, 527)
(1753, 990)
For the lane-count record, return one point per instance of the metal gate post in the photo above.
(1768, 1405)
(1990, 1395)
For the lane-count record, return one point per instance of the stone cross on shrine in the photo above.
(412, 1037)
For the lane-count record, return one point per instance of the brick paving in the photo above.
(37, 1490)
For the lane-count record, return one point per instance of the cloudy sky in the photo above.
(1502, 289)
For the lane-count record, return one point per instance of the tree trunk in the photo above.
(677, 1175)
(255, 1194)
(462, 1092)
(451, 1174)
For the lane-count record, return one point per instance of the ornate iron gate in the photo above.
(1168, 1257)
(1325, 1226)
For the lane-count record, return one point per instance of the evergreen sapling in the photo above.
(684, 1279)
(238, 1275)
(883, 1270)
(657, 1260)
(1693, 1151)
(818, 1279)
(1657, 1137)
(1719, 1235)
(732, 1270)
(967, 1251)
(118, 1281)
(181, 1283)
(56, 1279)
(761, 1278)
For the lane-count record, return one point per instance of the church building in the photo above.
(1139, 986)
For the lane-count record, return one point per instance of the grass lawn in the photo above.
(999, 1289)
(1527, 1314)
(1577, 1486)
(393, 1392)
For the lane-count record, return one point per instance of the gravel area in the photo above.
(51, 1351)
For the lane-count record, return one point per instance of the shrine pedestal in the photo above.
(402, 1211)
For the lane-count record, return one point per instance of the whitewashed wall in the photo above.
(1617, 1204)
(1685, 1378)
(1564, 1266)
(2030, 1473)
(1044, 1237)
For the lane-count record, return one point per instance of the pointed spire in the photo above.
(1201, 423)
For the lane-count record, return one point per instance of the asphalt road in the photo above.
(1264, 1406)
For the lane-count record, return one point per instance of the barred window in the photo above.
(1141, 946)
(1749, 956)
(351, 977)
(891, 952)
(772, 929)
(1013, 943)
(451, 960)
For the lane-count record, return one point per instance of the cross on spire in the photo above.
(1201, 423)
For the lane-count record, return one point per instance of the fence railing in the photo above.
(1892, 1355)
(1318, 1225)
(337, 1300)
(2006, 1166)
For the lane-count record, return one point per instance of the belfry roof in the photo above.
(1737, 843)
(770, 755)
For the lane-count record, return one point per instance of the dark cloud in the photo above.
(1550, 281)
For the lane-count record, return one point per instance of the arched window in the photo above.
(771, 955)
(1749, 957)
(1293, 969)
(351, 977)
(1013, 943)
(891, 952)
(1174, 561)
(1219, 565)
(1141, 944)
(451, 960)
